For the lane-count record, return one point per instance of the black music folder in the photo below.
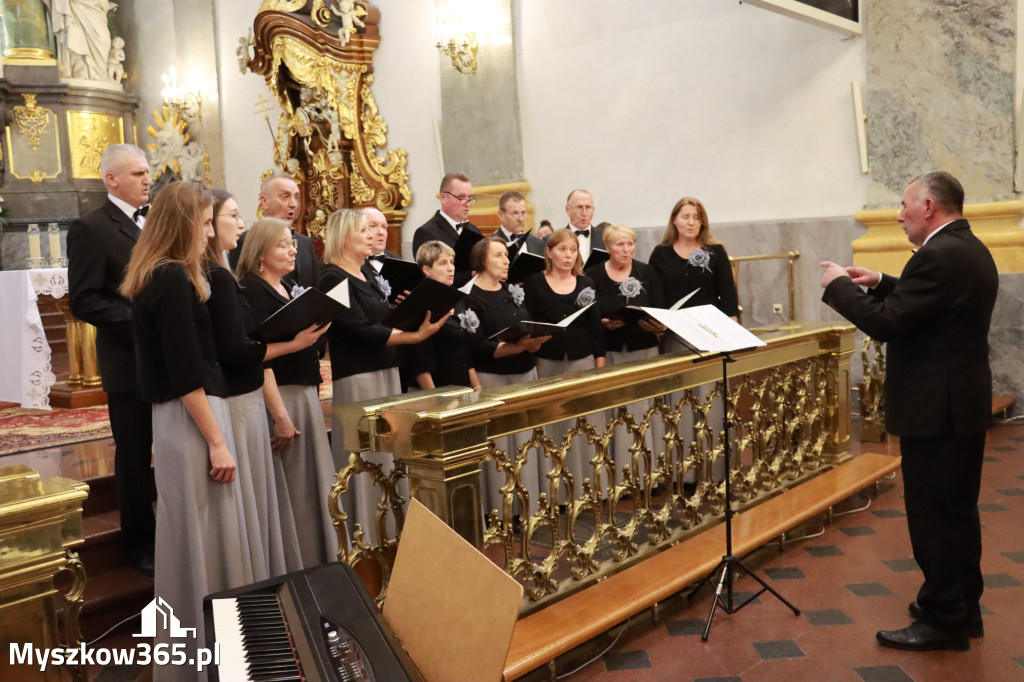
(310, 307)
(530, 328)
(428, 295)
(524, 265)
(402, 275)
(597, 257)
(463, 245)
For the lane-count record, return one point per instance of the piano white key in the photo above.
(229, 635)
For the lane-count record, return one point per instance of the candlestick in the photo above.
(54, 232)
(34, 251)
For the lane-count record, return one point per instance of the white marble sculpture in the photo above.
(83, 38)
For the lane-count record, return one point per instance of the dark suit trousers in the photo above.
(131, 422)
(941, 480)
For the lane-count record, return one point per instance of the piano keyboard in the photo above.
(290, 628)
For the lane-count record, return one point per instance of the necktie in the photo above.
(140, 212)
(583, 233)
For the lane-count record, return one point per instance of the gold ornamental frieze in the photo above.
(89, 133)
(33, 150)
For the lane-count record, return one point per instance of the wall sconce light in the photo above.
(454, 42)
(188, 103)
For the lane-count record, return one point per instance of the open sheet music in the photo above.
(310, 307)
(706, 329)
(529, 328)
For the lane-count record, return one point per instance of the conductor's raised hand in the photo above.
(832, 272)
(863, 276)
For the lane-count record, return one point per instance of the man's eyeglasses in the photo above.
(469, 201)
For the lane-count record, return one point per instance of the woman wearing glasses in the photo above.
(291, 391)
(272, 534)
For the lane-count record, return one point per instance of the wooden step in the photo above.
(1002, 405)
(543, 636)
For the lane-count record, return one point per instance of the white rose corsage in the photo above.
(586, 297)
(297, 289)
(517, 293)
(630, 288)
(469, 322)
(699, 258)
(384, 286)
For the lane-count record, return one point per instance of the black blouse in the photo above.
(446, 354)
(495, 310)
(678, 278)
(240, 356)
(611, 300)
(357, 339)
(583, 337)
(174, 349)
(301, 368)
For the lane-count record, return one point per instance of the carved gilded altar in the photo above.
(317, 59)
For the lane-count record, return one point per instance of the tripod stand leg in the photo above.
(767, 588)
(715, 600)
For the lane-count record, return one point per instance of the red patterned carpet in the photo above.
(24, 429)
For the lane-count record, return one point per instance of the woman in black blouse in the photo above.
(201, 536)
(492, 306)
(621, 281)
(364, 357)
(443, 359)
(291, 393)
(687, 260)
(551, 296)
(273, 539)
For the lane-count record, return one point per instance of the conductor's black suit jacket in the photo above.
(99, 247)
(935, 320)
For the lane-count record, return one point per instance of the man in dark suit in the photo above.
(579, 206)
(377, 223)
(99, 246)
(512, 214)
(456, 196)
(280, 198)
(935, 320)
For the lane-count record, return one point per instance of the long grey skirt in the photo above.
(363, 498)
(201, 535)
(270, 525)
(623, 438)
(531, 474)
(577, 459)
(308, 474)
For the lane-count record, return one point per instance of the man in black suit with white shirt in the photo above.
(456, 196)
(512, 214)
(938, 389)
(579, 206)
(99, 247)
(377, 224)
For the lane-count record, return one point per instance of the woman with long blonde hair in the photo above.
(201, 538)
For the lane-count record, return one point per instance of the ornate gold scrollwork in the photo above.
(330, 134)
(872, 391)
(74, 599)
(31, 120)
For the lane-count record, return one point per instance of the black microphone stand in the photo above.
(729, 564)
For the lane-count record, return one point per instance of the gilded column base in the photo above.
(885, 246)
(449, 486)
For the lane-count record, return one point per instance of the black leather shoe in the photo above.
(975, 627)
(145, 564)
(920, 636)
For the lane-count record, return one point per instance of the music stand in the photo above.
(730, 563)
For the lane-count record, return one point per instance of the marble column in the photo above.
(940, 95)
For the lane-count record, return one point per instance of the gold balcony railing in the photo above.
(787, 403)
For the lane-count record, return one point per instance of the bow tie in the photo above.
(583, 233)
(140, 212)
(459, 227)
(379, 258)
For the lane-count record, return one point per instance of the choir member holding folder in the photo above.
(491, 307)
(291, 392)
(444, 359)
(201, 538)
(273, 540)
(364, 357)
(620, 282)
(689, 259)
(552, 295)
